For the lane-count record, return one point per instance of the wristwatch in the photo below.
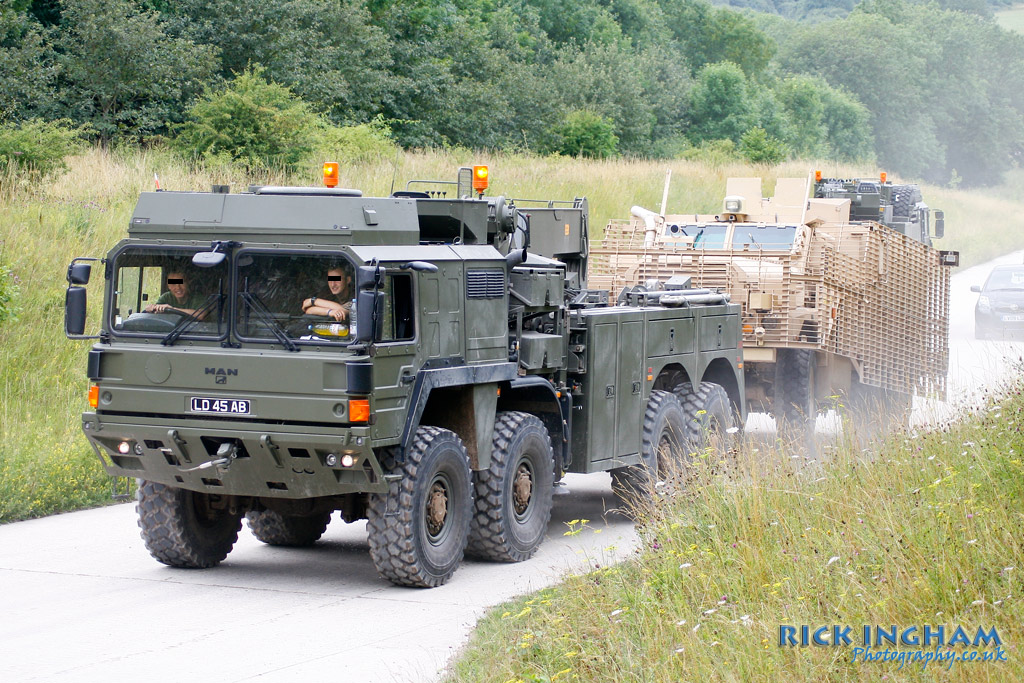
(312, 301)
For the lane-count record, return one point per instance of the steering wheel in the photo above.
(152, 322)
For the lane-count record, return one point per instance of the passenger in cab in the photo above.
(334, 301)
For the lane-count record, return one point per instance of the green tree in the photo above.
(720, 106)
(28, 67)
(121, 73)
(325, 51)
(758, 147)
(258, 123)
(707, 35)
(587, 134)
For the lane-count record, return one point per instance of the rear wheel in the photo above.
(418, 530)
(513, 495)
(709, 415)
(796, 407)
(664, 440)
(274, 528)
(184, 528)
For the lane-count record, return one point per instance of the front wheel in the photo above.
(513, 495)
(418, 530)
(183, 528)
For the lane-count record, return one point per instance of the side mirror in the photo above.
(940, 223)
(74, 311)
(369, 277)
(75, 299)
(78, 273)
(976, 288)
(208, 259)
(369, 315)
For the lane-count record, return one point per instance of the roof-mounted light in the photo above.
(480, 178)
(331, 173)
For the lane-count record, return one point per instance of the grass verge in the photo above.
(925, 532)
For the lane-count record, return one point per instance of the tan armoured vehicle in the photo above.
(844, 300)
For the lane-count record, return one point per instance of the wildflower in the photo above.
(832, 559)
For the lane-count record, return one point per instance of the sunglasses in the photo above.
(175, 280)
(334, 278)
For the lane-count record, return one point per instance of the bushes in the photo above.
(584, 133)
(758, 147)
(38, 146)
(264, 126)
(8, 295)
(261, 124)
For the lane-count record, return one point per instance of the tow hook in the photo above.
(226, 454)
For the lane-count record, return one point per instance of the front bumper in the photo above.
(999, 325)
(269, 461)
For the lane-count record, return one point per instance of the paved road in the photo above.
(83, 601)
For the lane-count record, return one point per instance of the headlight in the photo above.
(984, 305)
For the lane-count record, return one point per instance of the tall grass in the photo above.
(45, 464)
(924, 531)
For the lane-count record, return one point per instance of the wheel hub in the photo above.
(437, 508)
(522, 489)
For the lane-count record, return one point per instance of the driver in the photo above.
(334, 302)
(179, 297)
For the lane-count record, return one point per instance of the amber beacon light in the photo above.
(480, 178)
(331, 173)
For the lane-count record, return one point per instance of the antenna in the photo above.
(394, 174)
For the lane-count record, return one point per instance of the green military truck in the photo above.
(287, 352)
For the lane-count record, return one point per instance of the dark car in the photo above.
(999, 313)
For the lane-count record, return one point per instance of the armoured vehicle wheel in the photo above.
(182, 529)
(795, 390)
(664, 439)
(418, 530)
(273, 528)
(709, 414)
(513, 496)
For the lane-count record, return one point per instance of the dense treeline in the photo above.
(817, 10)
(925, 91)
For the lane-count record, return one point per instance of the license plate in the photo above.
(1013, 318)
(229, 406)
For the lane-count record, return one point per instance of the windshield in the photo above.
(1009, 278)
(158, 292)
(294, 298)
(755, 237)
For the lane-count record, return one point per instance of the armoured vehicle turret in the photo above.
(432, 361)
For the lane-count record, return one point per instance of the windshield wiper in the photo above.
(186, 323)
(266, 317)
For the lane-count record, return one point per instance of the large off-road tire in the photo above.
(796, 407)
(709, 415)
(296, 531)
(180, 527)
(664, 439)
(512, 502)
(907, 196)
(418, 530)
